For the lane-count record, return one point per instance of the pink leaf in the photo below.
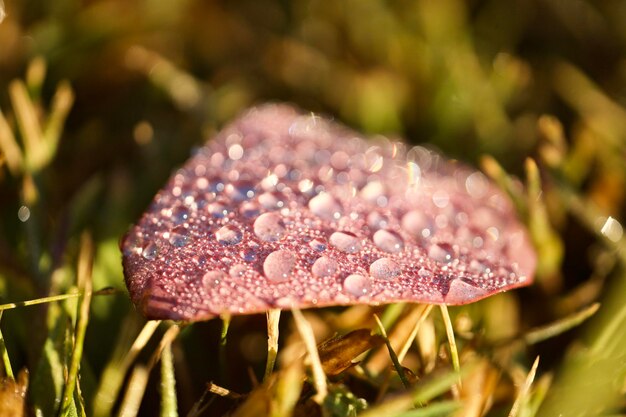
(282, 209)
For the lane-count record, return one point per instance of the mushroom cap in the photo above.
(285, 209)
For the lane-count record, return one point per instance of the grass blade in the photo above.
(523, 393)
(319, 378)
(392, 354)
(553, 329)
(28, 122)
(273, 320)
(36, 301)
(85, 263)
(115, 371)
(10, 148)
(134, 393)
(8, 370)
(441, 409)
(169, 403)
(454, 353)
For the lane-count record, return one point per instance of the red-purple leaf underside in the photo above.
(282, 209)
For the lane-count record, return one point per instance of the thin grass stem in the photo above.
(319, 378)
(273, 320)
(392, 354)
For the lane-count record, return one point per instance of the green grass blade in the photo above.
(392, 354)
(441, 409)
(8, 369)
(169, 404)
(36, 301)
(553, 329)
(319, 378)
(115, 371)
(85, 263)
(134, 393)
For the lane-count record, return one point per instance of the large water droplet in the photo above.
(240, 190)
(272, 200)
(388, 241)
(345, 241)
(376, 220)
(150, 251)
(212, 278)
(179, 236)
(278, 265)
(477, 185)
(237, 271)
(478, 266)
(318, 245)
(373, 191)
(441, 198)
(269, 227)
(324, 267)
(180, 214)
(357, 285)
(424, 273)
(417, 224)
(325, 206)
(249, 209)
(385, 268)
(441, 252)
(218, 210)
(229, 235)
(235, 152)
(249, 254)
(306, 186)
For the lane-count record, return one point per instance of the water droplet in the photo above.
(278, 265)
(24, 212)
(306, 186)
(374, 160)
(357, 285)
(180, 214)
(478, 266)
(235, 152)
(150, 251)
(493, 233)
(229, 235)
(249, 209)
(237, 271)
(441, 252)
(424, 273)
(212, 279)
(388, 241)
(325, 206)
(131, 244)
(272, 200)
(249, 255)
(414, 174)
(476, 185)
(345, 241)
(385, 268)
(376, 221)
(324, 267)
(318, 245)
(373, 191)
(417, 224)
(179, 236)
(218, 210)
(441, 198)
(269, 227)
(240, 190)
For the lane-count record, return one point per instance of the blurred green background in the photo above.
(153, 79)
